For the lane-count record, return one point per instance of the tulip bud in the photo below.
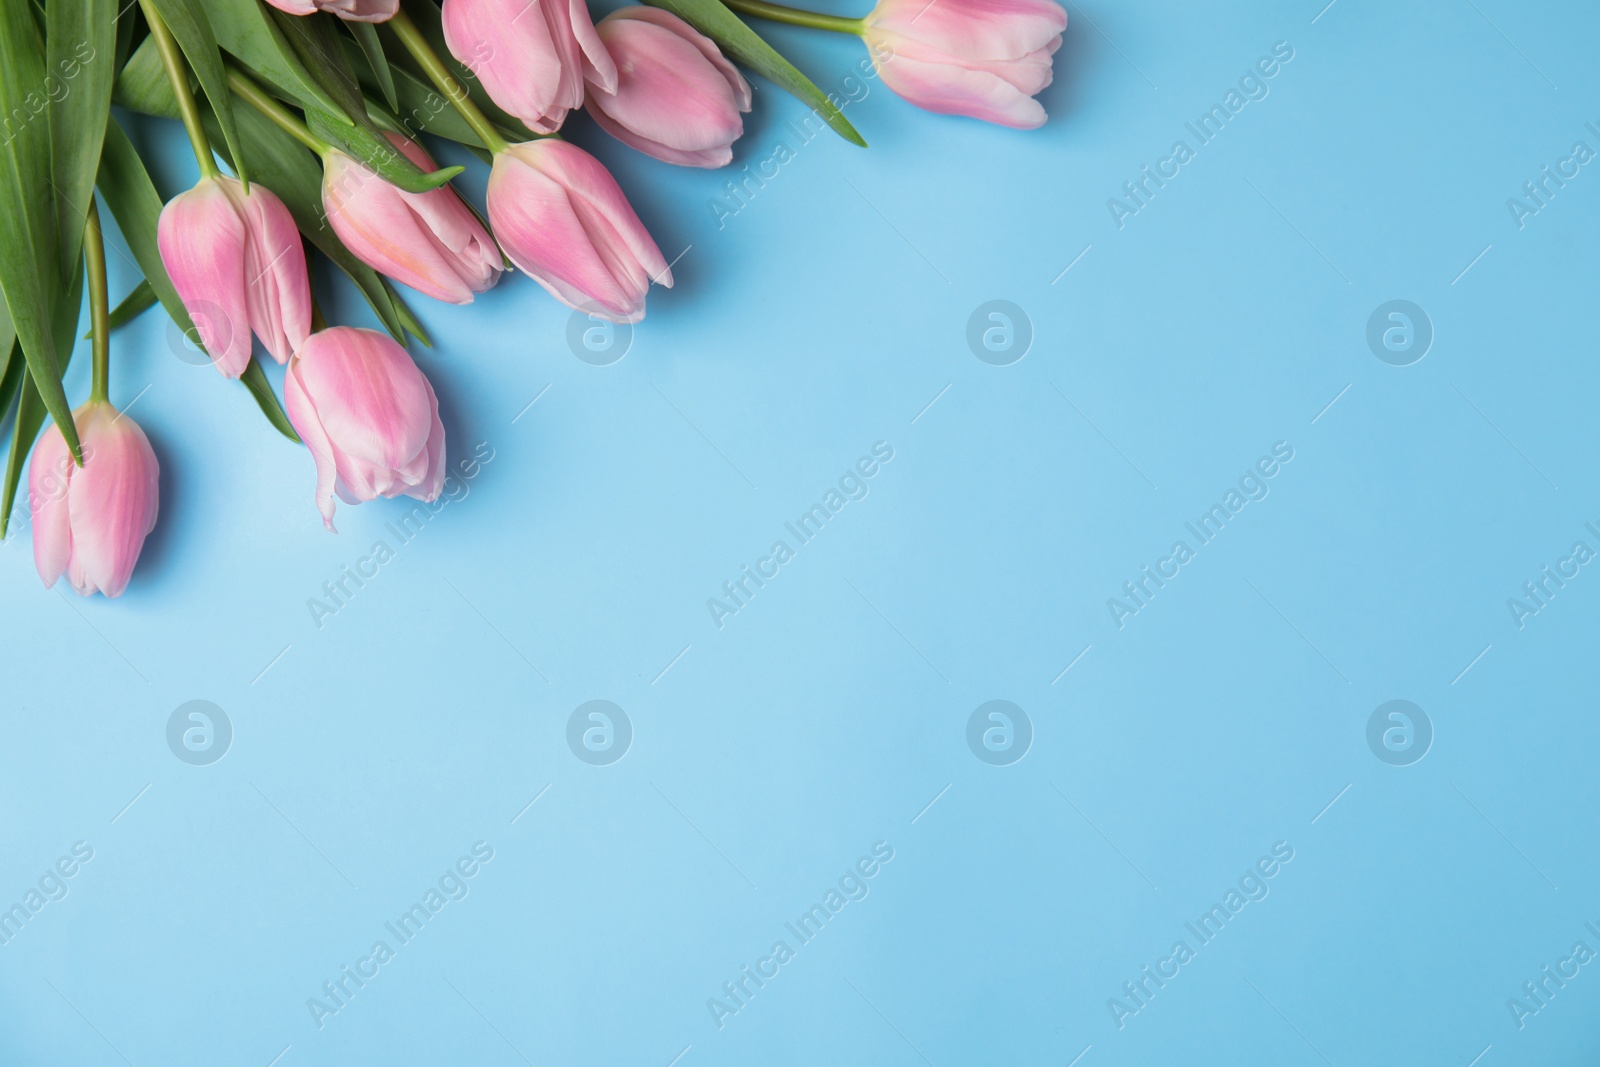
(238, 265)
(430, 241)
(90, 522)
(562, 218)
(368, 415)
(676, 98)
(349, 10)
(981, 58)
(532, 56)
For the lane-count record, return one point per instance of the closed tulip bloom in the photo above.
(561, 216)
(982, 58)
(349, 10)
(677, 98)
(90, 522)
(532, 56)
(238, 265)
(430, 241)
(369, 417)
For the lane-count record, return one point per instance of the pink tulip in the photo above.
(562, 218)
(676, 97)
(982, 58)
(238, 265)
(430, 241)
(532, 56)
(369, 417)
(90, 522)
(349, 10)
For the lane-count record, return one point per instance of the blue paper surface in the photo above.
(1336, 350)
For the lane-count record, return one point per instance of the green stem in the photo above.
(178, 75)
(94, 257)
(445, 82)
(795, 17)
(281, 117)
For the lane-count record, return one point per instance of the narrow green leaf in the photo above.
(31, 409)
(366, 35)
(315, 39)
(245, 30)
(11, 378)
(712, 18)
(192, 30)
(8, 338)
(29, 249)
(420, 108)
(363, 142)
(255, 380)
(142, 84)
(131, 196)
(136, 303)
(407, 319)
(80, 46)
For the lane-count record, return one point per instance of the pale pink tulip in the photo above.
(562, 218)
(349, 10)
(238, 265)
(676, 98)
(532, 56)
(369, 417)
(430, 241)
(90, 522)
(982, 58)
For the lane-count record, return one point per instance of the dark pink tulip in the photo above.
(238, 265)
(430, 241)
(982, 58)
(532, 56)
(676, 97)
(349, 10)
(90, 522)
(561, 216)
(369, 417)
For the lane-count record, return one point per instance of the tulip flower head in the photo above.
(238, 265)
(90, 522)
(349, 10)
(982, 58)
(561, 216)
(676, 97)
(368, 415)
(430, 241)
(532, 56)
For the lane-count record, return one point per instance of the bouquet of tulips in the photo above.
(307, 119)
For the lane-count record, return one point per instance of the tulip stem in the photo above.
(281, 117)
(178, 75)
(795, 17)
(445, 82)
(94, 257)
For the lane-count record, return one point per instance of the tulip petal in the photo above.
(666, 93)
(277, 287)
(49, 478)
(112, 501)
(509, 47)
(203, 239)
(303, 416)
(953, 90)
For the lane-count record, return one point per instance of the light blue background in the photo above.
(370, 753)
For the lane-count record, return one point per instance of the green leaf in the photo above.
(192, 30)
(366, 35)
(244, 29)
(363, 142)
(80, 47)
(29, 250)
(31, 409)
(421, 108)
(8, 338)
(136, 303)
(255, 380)
(142, 84)
(315, 40)
(11, 379)
(407, 319)
(131, 196)
(712, 18)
